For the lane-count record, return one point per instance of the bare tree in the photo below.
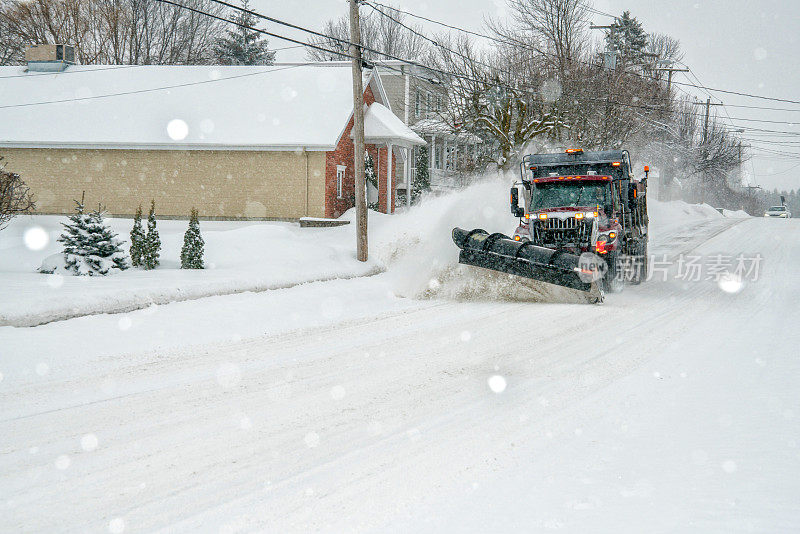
(556, 28)
(11, 49)
(492, 96)
(385, 34)
(15, 197)
(113, 31)
(666, 48)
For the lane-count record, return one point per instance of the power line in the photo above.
(760, 107)
(495, 39)
(795, 123)
(780, 172)
(264, 32)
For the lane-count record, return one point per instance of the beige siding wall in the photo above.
(225, 184)
(395, 87)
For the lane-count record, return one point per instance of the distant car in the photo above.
(778, 211)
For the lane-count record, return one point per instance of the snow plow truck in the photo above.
(582, 224)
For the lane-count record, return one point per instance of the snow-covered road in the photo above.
(672, 407)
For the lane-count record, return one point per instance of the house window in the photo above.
(418, 104)
(438, 103)
(341, 170)
(429, 106)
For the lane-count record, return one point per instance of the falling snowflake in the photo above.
(177, 129)
(730, 283)
(116, 525)
(89, 442)
(62, 462)
(36, 238)
(497, 383)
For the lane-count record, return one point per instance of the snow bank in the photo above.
(422, 261)
(738, 214)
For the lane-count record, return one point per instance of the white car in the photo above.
(778, 211)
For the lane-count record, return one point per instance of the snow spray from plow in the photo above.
(499, 252)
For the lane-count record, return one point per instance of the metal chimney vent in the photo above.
(50, 57)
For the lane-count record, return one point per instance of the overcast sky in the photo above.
(749, 46)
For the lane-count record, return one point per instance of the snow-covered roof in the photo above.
(178, 107)
(381, 125)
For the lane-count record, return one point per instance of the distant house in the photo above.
(418, 96)
(235, 142)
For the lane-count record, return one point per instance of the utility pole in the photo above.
(708, 105)
(670, 70)
(358, 133)
(609, 64)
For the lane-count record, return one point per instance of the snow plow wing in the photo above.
(499, 252)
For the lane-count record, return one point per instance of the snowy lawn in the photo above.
(240, 256)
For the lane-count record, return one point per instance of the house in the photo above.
(235, 142)
(419, 97)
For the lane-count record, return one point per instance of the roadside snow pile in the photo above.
(738, 214)
(678, 210)
(422, 260)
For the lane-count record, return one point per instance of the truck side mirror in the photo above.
(516, 210)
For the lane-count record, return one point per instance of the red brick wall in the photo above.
(343, 155)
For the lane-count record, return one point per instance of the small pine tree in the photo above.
(422, 180)
(106, 248)
(90, 247)
(192, 251)
(137, 239)
(243, 46)
(75, 239)
(370, 178)
(152, 241)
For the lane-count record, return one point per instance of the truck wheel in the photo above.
(613, 282)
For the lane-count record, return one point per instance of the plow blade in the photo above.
(499, 252)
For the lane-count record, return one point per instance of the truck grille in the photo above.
(556, 232)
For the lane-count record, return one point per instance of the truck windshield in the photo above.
(568, 194)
